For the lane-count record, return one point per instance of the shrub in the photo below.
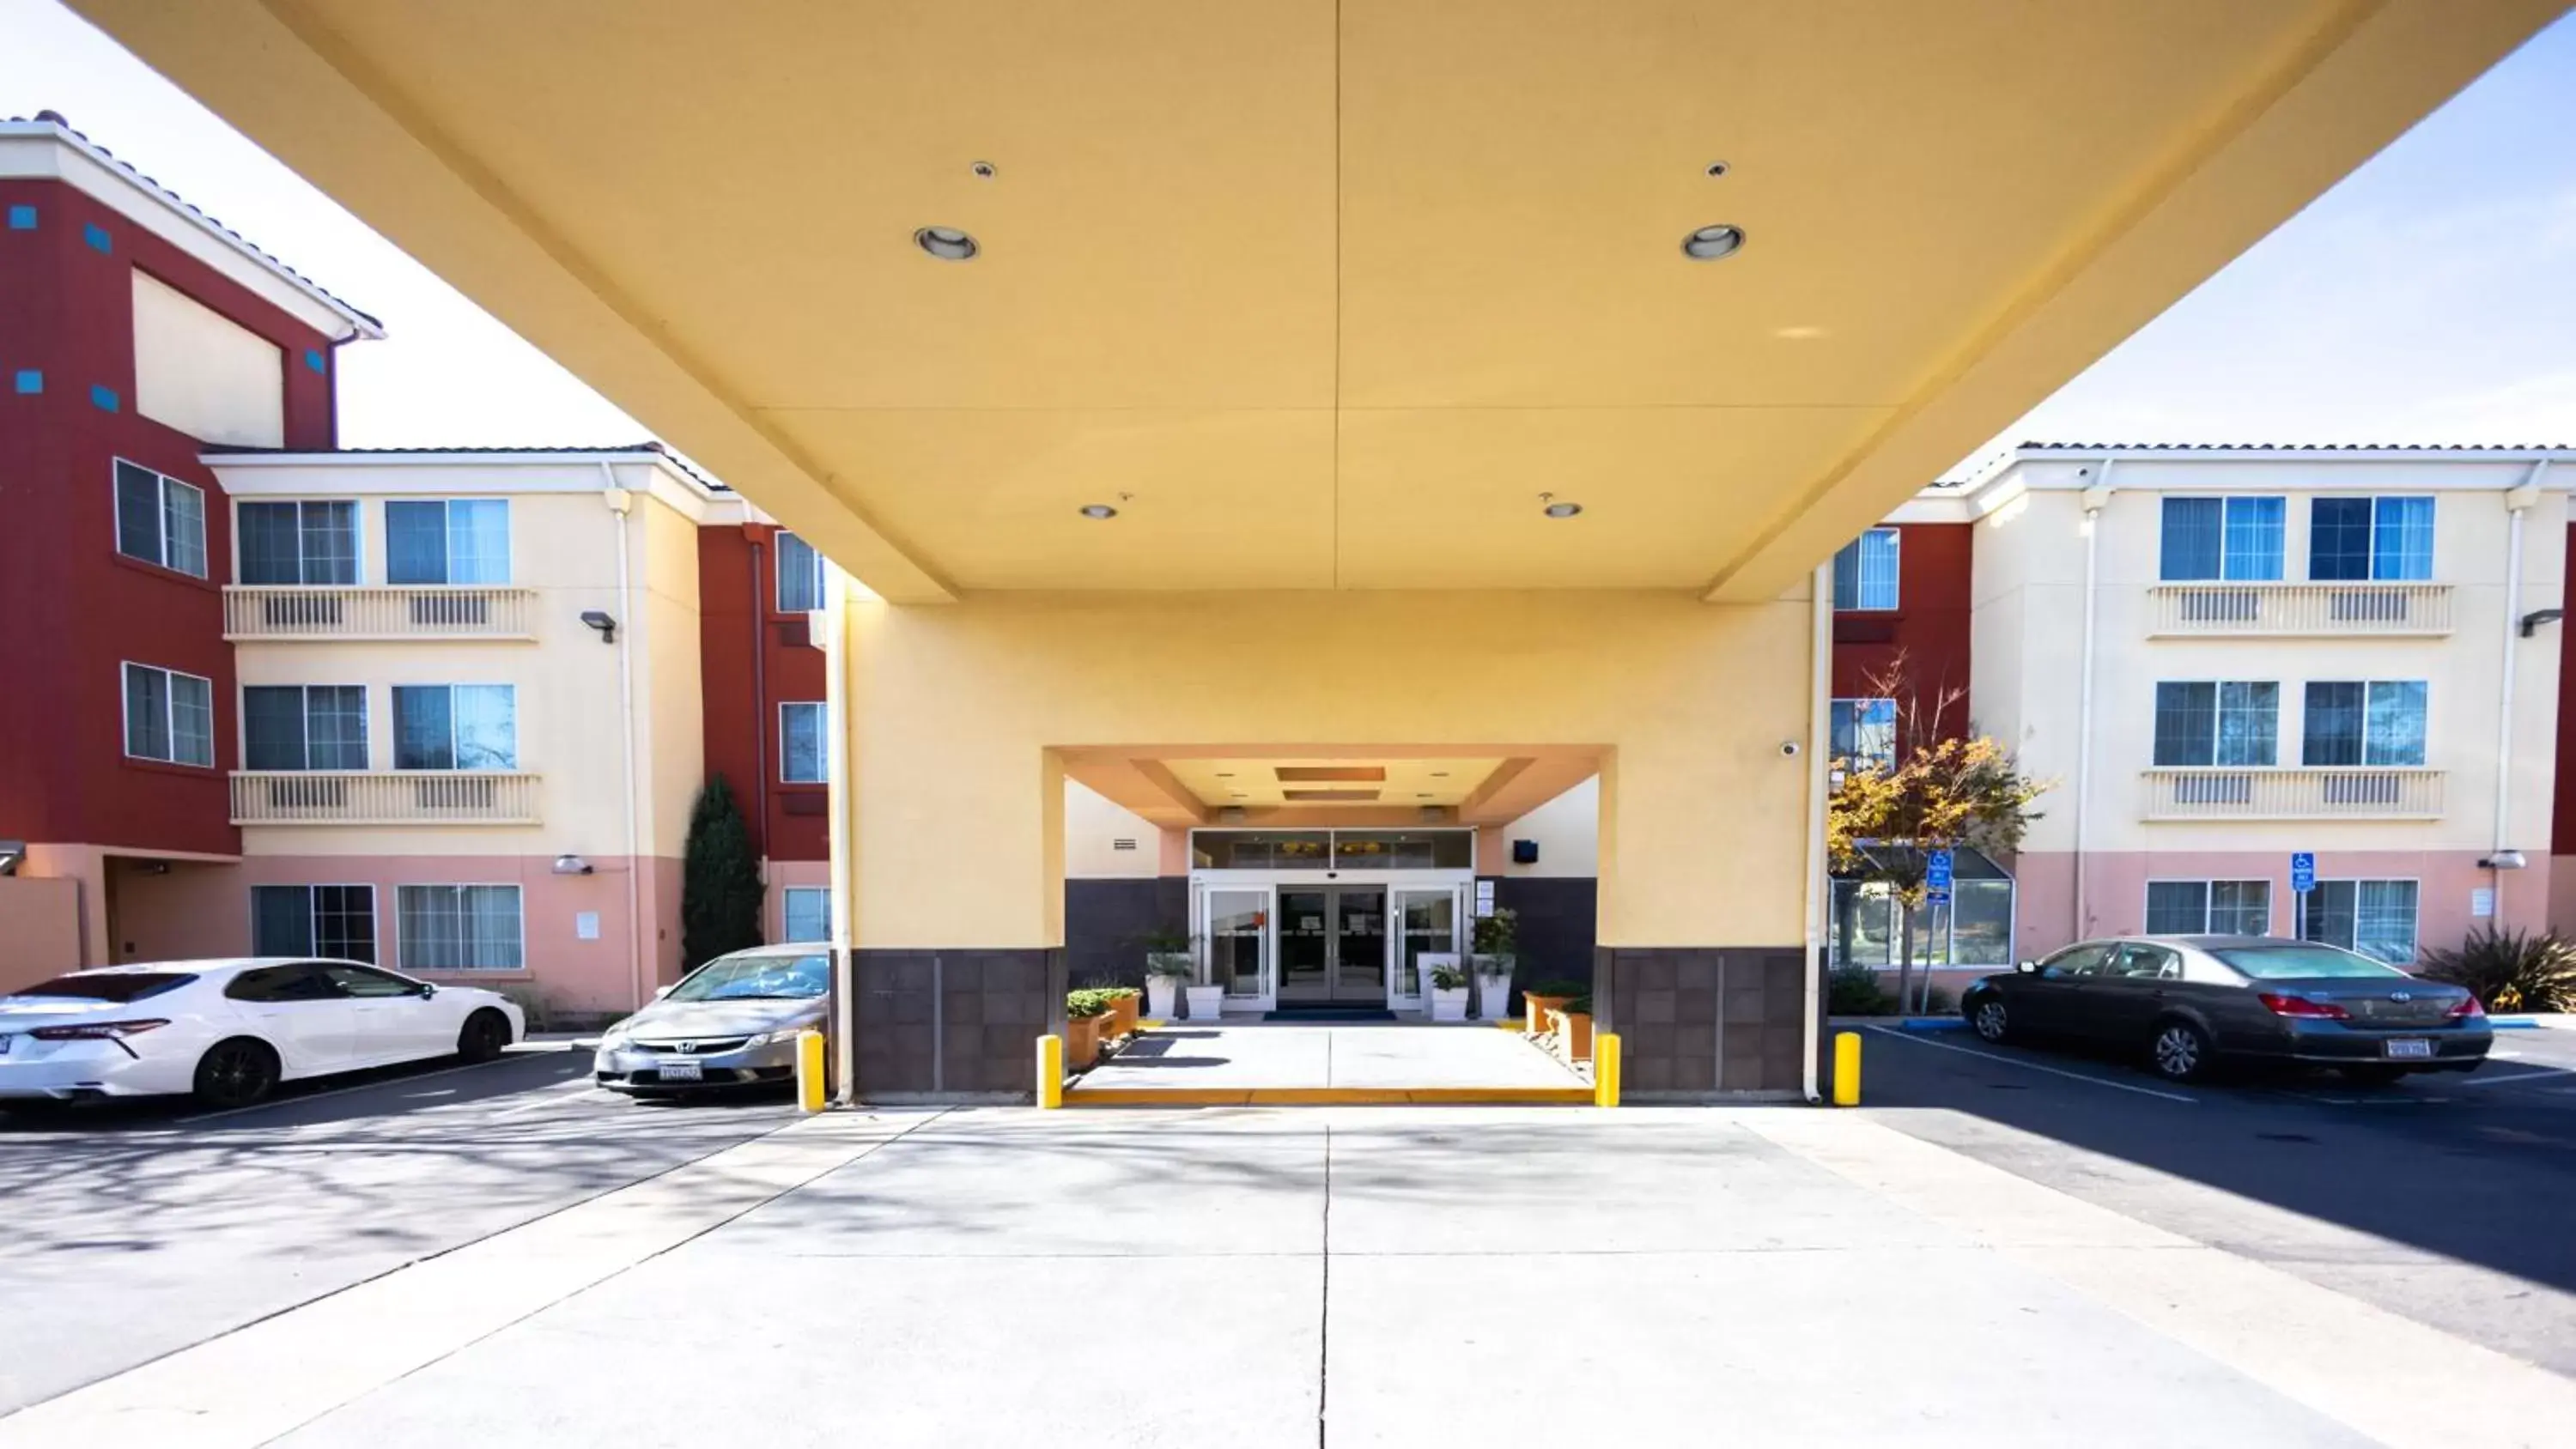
(2510, 970)
(1854, 991)
(1080, 1004)
(1556, 986)
(1937, 1001)
(720, 890)
(1579, 1006)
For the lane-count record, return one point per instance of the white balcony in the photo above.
(383, 797)
(353, 612)
(2358, 792)
(2280, 611)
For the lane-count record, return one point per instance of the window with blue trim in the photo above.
(97, 237)
(2364, 722)
(2217, 722)
(1863, 731)
(2389, 539)
(22, 218)
(1865, 572)
(30, 380)
(104, 396)
(2222, 538)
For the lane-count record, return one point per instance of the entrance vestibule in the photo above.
(1283, 927)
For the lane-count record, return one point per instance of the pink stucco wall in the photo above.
(195, 909)
(2116, 889)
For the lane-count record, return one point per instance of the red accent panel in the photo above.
(2562, 815)
(77, 609)
(1929, 628)
(736, 616)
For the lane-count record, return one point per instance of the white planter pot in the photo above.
(1449, 1005)
(1206, 1002)
(1159, 993)
(1494, 997)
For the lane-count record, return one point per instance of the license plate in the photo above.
(2407, 1046)
(684, 1071)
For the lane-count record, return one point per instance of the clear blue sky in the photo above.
(2429, 298)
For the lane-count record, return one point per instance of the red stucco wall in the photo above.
(1928, 629)
(739, 624)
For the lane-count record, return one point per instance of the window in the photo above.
(320, 920)
(1865, 571)
(2141, 962)
(304, 727)
(2374, 917)
(160, 520)
(301, 981)
(169, 716)
(2222, 538)
(2379, 722)
(2217, 723)
(1864, 731)
(298, 543)
(800, 575)
(447, 541)
(456, 727)
(2081, 960)
(800, 744)
(361, 983)
(1868, 925)
(2209, 908)
(2370, 538)
(458, 927)
(806, 913)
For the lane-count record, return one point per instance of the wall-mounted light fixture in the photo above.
(606, 626)
(2504, 860)
(11, 853)
(571, 864)
(2538, 617)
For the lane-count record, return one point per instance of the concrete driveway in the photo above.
(1409, 1276)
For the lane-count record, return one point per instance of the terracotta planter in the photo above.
(1122, 1014)
(1573, 1034)
(1081, 1042)
(1534, 1010)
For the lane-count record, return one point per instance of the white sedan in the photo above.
(227, 1032)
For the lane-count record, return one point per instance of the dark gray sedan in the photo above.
(2189, 1003)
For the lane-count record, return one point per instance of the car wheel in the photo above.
(1990, 1019)
(485, 1034)
(2180, 1052)
(2371, 1074)
(236, 1073)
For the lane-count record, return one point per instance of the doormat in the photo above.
(1331, 1013)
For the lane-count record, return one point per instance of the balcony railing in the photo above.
(2358, 792)
(383, 797)
(394, 611)
(2288, 610)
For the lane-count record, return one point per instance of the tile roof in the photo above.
(53, 120)
(2295, 447)
(654, 446)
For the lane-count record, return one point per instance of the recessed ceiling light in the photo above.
(1225, 774)
(1712, 242)
(1563, 510)
(1440, 774)
(946, 243)
(1716, 169)
(1098, 510)
(984, 170)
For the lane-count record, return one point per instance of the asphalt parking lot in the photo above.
(144, 1228)
(2443, 1198)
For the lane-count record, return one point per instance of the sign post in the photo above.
(1937, 875)
(2303, 879)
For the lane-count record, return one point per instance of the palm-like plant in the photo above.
(2510, 970)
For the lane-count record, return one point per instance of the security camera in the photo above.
(1789, 749)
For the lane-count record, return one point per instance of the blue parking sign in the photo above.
(2303, 871)
(1936, 878)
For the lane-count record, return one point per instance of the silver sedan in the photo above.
(733, 1022)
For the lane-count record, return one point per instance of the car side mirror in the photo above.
(2028, 968)
(661, 991)
(428, 989)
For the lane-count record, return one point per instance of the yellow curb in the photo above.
(1327, 1096)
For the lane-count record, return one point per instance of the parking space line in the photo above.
(2036, 1067)
(276, 1104)
(2490, 1080)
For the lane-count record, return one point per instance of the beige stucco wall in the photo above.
(204, 374)
(1568, 832)
(2029, 632)
(1093, 825)
(40, 929)
(956, 711)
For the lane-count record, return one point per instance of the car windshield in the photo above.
(2288, 961)
(116, 986)
(753, 977)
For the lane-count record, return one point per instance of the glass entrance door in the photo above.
(1332, 945)
(1427, 917)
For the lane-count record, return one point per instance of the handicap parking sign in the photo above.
(2303, 871)
(1936, 878)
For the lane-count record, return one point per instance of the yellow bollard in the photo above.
(809, 1070)
(1846, 1069)
(1050, 1070)
(1605, 1069)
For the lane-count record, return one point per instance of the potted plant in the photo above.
(1493, 961)
(1544, 997)
(1446, 985)
(1573, 1027)
(1206, 998)
(1125, 1006)
(1170, 960)
(1083, 1013)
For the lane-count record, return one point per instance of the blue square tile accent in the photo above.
(313, 359)
(22, 218)
(97, 237)
(103, 395)
(30, 380)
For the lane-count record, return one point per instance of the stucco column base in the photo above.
(1702, 1023)
(954, 1025)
